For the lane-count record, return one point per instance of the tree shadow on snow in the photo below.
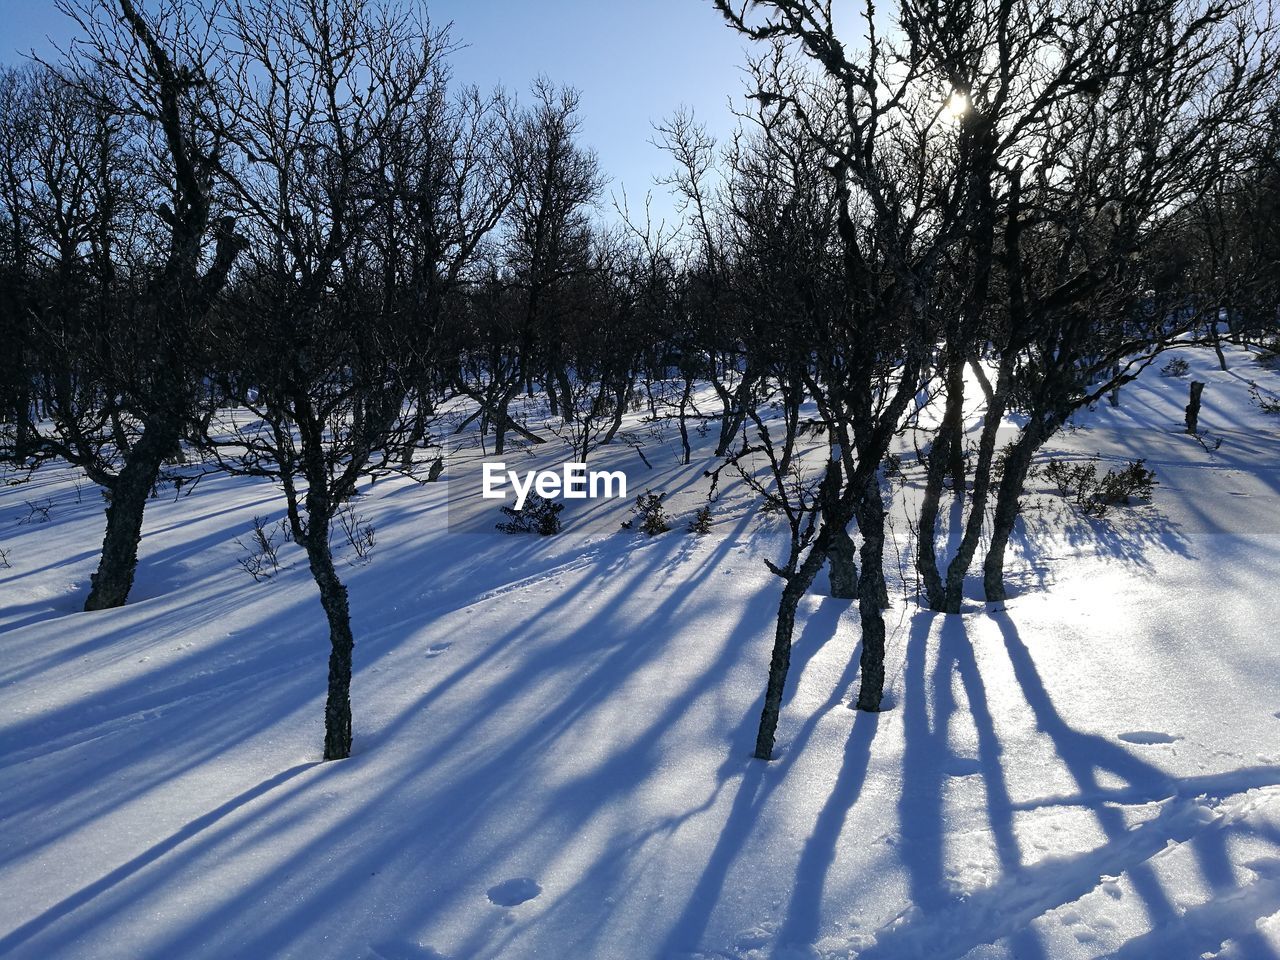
(944, 925)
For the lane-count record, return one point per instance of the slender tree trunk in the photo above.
(619, 408)
(730, 422)
(553, 401)
(417, 434)
(502, 416)
(791, 411)
(1008, 504)
(941, 461)
(684, 424)
(796, 586)
(567, 412)
(119, 561)
(958, 468)
(291, 509)
(733, 414)
(333, 597)
(958, 568)
(873, 597)
(1217, 345)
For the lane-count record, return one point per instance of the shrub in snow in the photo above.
(4, 558)
(540, 515)
(37, 511)
(1094, 494)
(260, 560)
(1068, 477)
(649, 515)
(1176, 367)
(701, 522)
(1265, 401)
(358, 531)
(1269, 351)
(1120, 486)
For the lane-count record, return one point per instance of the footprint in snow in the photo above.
(510, 893)
(437, 648)
(1148, 737)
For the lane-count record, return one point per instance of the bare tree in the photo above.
(365, 210)
(119, 171)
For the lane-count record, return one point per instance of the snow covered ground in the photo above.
(553, 736)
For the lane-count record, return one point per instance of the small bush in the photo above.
(260, 560)
(4, 558)
(540, 516)
(1264, 400)
(358, 531)
(37, 511)
(1095, 494)
(1176, 367)
(649, 515)
(1269, 351)
(1069, 477)
(1120, 486)
(701, 522)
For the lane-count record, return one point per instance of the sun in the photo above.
(957, 106)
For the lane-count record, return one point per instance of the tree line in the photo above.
(276, 238)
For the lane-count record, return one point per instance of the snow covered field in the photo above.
(553, 735)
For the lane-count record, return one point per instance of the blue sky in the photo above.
(635, 63)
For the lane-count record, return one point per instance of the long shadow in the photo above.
(804, 913)
(491, 782)
(153, 853)
(748, 801)
(1025, 892)
(929, 763)
(1085, 756)
(755, 789)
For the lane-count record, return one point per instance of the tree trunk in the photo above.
(333, 597)
(619, 409)
(553, 401)
(873, 597)
(730, 422)
(1008, 504)
(296, 530)
(119, 560)
(796, 587)
(733, 413)
(684, 423)
(842, 566)
(871, 690)
(502, 416)
(941, 461)
(791, 411)
(1193, 408)
(959, 466)
(567, 413)
(958, 568)
(1217, 343)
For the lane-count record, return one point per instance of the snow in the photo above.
(553, 735)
